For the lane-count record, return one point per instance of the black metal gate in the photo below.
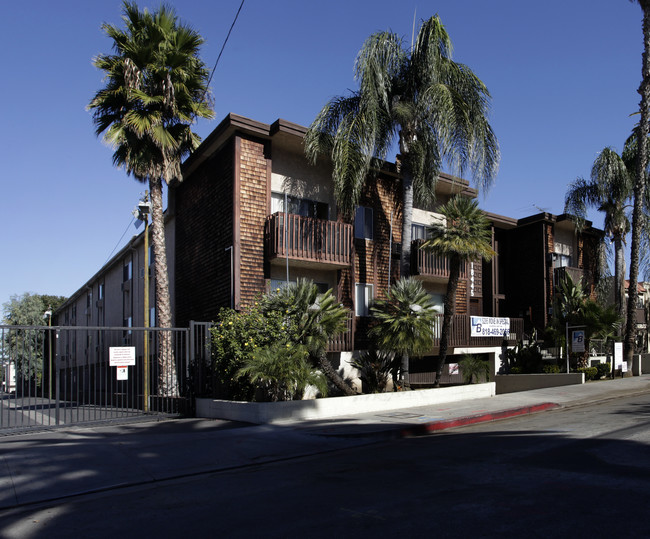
(54, 376)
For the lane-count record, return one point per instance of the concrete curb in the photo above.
(434, 426)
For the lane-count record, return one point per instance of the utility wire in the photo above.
(120, 240)
(224, 45)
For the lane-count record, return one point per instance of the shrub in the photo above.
(471, 366)
(516, 370)
(282, 372)
(527, 357)
(374, 366)
(591, 373)
(551, 369)
(235, 337)
(604, 369)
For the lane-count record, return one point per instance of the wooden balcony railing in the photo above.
(429, 264)
(459, 334)
(308, 239)
(576, 274)
(343, 342)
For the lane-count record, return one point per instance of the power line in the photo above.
(224, 43)
(120, 240)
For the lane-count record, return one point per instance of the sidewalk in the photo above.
(53, 465)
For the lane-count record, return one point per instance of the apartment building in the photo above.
(251, 214)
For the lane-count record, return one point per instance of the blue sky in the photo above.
(563, 76)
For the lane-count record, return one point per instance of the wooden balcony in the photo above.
(459, 334)
(431, 266)
(343, 342)
(576, 275)
(308, 241)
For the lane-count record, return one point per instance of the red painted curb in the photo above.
(435, 426)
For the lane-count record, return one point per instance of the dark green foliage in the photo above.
(26, 347)
(235, 337)
(295, 316)
(551, 369)
(375, 366)
(282, 372)
(526, 358)
(573, 306)
(604, 369)
(591, 373)
(473, 368)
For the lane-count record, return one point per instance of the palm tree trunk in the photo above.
(450, 309)
(406, 381)
(167, 377)
(407, 220)
(639, 185)
(619, 275)
(326, 368)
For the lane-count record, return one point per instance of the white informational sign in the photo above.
(122, 373)
(618, 356)
(578, 341)
(121, 356)
(488, 326)
(453, 368)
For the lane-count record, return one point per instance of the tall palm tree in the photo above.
(464, 236)
(405, 322)
(639, 182)
(317, 318)
(436, 109)
(609, 190)
(156, 85)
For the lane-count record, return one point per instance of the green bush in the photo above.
(604, 369)
(551, 369)
(282, 372)
(516, 370)
(235, 338)
(528, 358)
(374, 367)
(472, 367)
(591, 373)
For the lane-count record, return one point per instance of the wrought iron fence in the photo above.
(59, 375)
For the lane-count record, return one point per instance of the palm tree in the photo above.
(156, 85)
(405, 322)
(464, 236)
(316, 318)
(639, 182)
(436, 109)
(609, 190)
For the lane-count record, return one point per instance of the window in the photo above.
(363, 223)
(418, 231)
(276, 284)
(299, 206)
(101, 291)
(363, 299)
(127, 271)
(152, 317)
(561, 261)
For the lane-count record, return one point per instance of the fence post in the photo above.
(58, 377)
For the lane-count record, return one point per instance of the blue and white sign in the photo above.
(488, 326)
(578, 341)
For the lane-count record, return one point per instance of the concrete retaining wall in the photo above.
(273, 412)
(512, 383)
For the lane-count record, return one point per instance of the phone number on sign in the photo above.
(491, 332)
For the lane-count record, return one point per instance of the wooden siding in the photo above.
(254, 183)
(204, 229)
